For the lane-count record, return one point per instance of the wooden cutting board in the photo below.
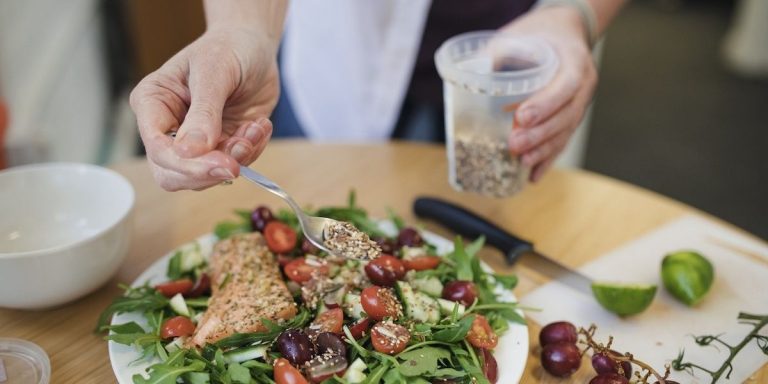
(658, 334)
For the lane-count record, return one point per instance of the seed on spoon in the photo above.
(346, 240)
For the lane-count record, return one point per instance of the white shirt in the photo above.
(346, 64)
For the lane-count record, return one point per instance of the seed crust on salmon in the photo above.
(246, 286)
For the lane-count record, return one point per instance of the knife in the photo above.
(470, 225)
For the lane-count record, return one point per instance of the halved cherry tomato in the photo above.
(360, 327)
(489, 365)
(379, 302)
(280, 237)
(300, 271)
(177, 326)
(389, 338)
(481, 335)
(171, 288)
(421, 263)
(285, 373)
(329, 321)
(201, 287)
(385, 270)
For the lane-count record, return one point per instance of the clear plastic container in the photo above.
(485, 77)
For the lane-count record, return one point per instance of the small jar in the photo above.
(485, 77)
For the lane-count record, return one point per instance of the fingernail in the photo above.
(194, 136)
(222, 173)
(254, 130)
(240, 151)
(526, 117)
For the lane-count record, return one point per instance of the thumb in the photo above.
(201, 129)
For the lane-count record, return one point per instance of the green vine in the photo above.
(757, 322)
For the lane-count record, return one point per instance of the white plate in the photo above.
(511, 353)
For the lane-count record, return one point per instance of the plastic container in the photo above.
(485, 77)
(23, 362)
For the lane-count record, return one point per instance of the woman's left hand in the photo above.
(546, 120)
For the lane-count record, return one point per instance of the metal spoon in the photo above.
(312, 226)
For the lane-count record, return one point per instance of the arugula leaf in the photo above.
(421, 361)
(352, 198)
(197, 377)
(174, 266)
(225, 229)
(506, 281)
(239, 374)
(396, 219)
(449, 373)
(462, 259)
(376, 374)
(273, 330)
(455, 333)
(475, 246)
(167, 374)
(139, 299)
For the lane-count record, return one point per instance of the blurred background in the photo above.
(681, 108)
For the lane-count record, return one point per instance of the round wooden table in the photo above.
(572, 215)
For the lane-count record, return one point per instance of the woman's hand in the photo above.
(546, 120)
(218, 93)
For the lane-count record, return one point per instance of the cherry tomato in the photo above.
(422, 263)
(202, 286)
(360, 327)
(481, 335)
(389, 338)
(489, 365)
(385, 270)
(329, 321)
(460, 291)
(171, 288)
(285, 373)
(280, 237)
(300, 271)
(379, 303)
(177, 326)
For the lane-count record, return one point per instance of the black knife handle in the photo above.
(470, 225)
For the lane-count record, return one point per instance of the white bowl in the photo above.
(65, 228)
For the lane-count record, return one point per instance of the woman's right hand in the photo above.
(217, 93)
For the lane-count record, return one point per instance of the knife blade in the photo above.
(470, 225)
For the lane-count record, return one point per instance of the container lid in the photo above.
(495, 64)
(23, 362)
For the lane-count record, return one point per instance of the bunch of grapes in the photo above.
(561, 356)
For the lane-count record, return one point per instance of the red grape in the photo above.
(387, 245)
(561, 331)
(409, 237)
(609, 378)
(460, 291)
(605, 364)
(260, 217)
(561, 359)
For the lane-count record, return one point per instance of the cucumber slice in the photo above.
(191, 257)
(430, 285)
(418, 306)
(175, 345)
(352, 306)
(179, 305)
(446, 307)
(245, 354)
(354, 374)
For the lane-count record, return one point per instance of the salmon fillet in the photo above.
(246, 286)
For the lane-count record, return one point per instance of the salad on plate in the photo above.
(256, 303)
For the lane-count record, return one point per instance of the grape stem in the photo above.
(589, 340)
(757, 322)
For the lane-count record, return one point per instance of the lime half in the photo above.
(624, 299)
(687, 275)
